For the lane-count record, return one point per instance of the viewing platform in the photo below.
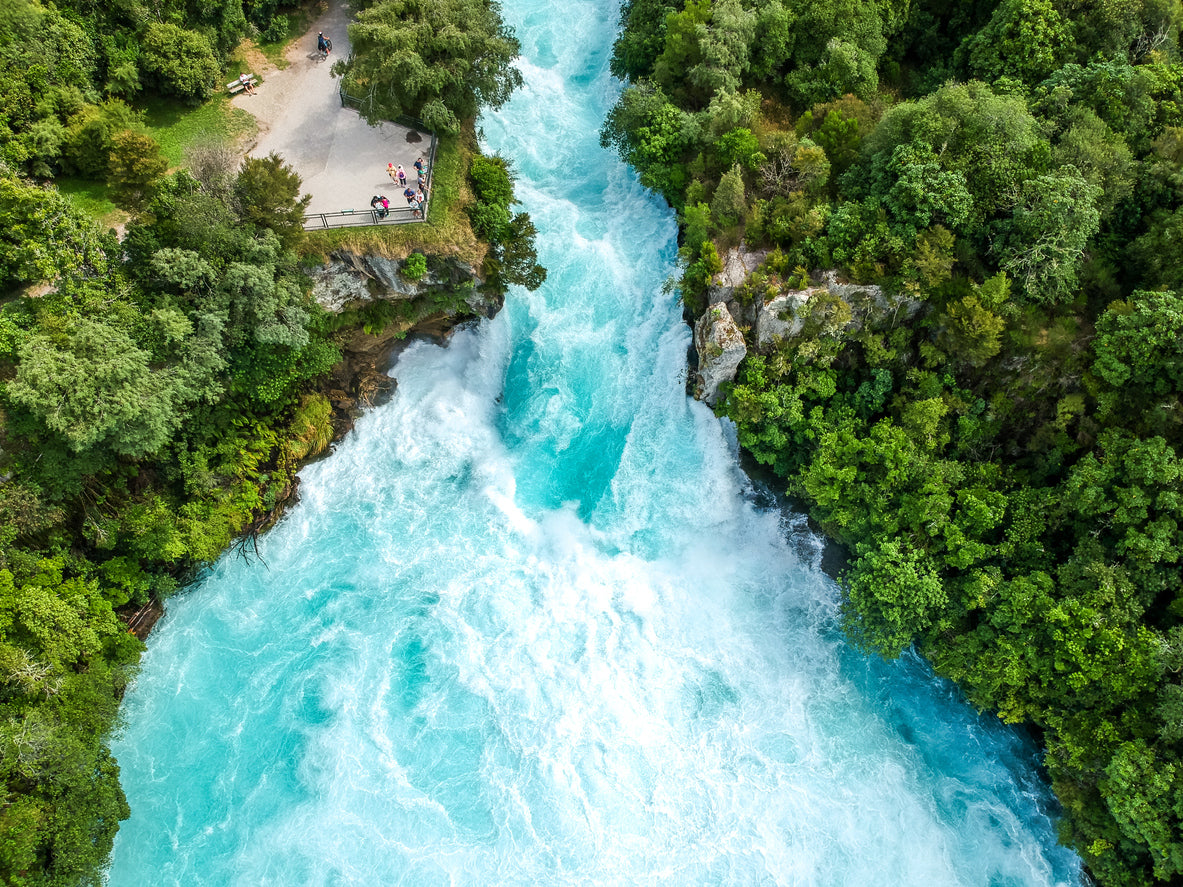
(341, 159)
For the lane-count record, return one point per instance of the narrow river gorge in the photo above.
(530, 625)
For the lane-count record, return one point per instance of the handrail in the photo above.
(357, 218)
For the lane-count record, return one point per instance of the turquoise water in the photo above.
(530, 626)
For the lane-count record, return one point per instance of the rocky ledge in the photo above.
(741, 316)
(383, 303)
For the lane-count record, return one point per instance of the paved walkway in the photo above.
(341, 159)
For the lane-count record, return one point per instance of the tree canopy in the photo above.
(994, 434)
(438, 61)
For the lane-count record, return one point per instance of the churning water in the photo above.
(528, 625)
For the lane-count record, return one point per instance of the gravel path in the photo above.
(340, 158)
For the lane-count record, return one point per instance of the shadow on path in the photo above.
(340, 158)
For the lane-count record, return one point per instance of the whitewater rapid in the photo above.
(530, 625)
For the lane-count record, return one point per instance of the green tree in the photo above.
(268, 195)
(891, 595)
(1137, 347)
(42, 236)
(1054, 220)
(991, 140)
(684, 31)
(728, 206)
(136, 165)
(1025, 39)
(969, 332)
(1101, 156)
(438, 60)
(739, 146)
(650, 134)
(642, 38)
(90, 137)
(1145, 794)
(179, 61)
(96, 388)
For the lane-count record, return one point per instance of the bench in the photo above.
(236, 86)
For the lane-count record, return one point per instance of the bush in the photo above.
(136, 164)
(414, 267)
(179, 62)
(491, 180)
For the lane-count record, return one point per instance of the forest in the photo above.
(160, 385)
(1001, 460)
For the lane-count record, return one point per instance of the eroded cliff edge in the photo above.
(377, 304)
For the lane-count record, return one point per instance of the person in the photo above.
(420, 167)
(402, 175)
(390, 171)
(322, 45)
(380, 205)
(385, 206)
(247, 86)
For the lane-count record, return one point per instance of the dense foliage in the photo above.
(67, 70)
(436, 60)
(512, 258)
(158, 390)
(999, 447)
(152, 409)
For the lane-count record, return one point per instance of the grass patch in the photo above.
(177, 126)
(447, 231)
(92, 198)
(286, 26)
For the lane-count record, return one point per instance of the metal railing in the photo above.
(357, 218)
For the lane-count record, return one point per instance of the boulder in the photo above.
(720, 347)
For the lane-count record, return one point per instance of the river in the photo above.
(530, 625)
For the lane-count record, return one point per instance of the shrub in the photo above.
(414, 267)
(179, 62)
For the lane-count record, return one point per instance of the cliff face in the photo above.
(349, 282)
(742, 317)
(379, 308)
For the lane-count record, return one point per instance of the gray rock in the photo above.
(869, 303)
(738, 263)
(348, 281)
(782, 317)
(720, 347)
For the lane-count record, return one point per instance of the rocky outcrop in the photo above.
(869, 304)
(720, 347)
(738, 263)
(350, 284)
(348, 281)
(784, 315)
